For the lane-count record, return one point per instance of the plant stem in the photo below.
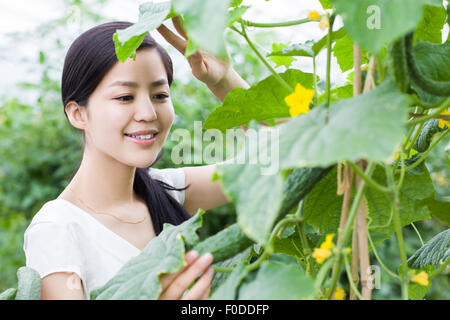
(350, 279)
(413, 140)
(406, 143)
(404, 280)
(369, 180)
(403, 171)
(269, 248)
(276, 24)
(264, 61)
(314, 80)
(222, 269)
(329, 42)
(423, 156)
(392, 274)
(443, 107)
(348, 227)
(441, 268)
(418, 234)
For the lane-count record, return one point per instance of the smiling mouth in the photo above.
(142, 137)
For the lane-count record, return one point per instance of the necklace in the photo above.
(117, 218)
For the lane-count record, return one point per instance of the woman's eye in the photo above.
(162, 96)
(124, 98)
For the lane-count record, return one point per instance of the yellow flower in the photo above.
(322, 253)
(339, 294)
(421, 278)
(328, 243)
(442, 123)
(324, 23)
(299, 100)
(314, 15)
(347, 250)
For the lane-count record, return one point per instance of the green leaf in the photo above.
(375, 23)
(296, 49)
(417, 291)
(309, 48)
(205, 22)
(439, 209)
(8, 294)
(257, 204)
(343, 51)
(29, 287)
(429, 29)
(263, 101)
(322, 207)
(435, 250)
(337, 94)
(139, 277)
(355, 129)
(325, 4)
(417, 186)
(278, 281)
(228, 289)
(280, 60)
(151, 16)
(290, 245)
(235, 14)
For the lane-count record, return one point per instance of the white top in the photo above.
(62, 237)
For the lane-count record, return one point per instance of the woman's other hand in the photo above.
(175, 284)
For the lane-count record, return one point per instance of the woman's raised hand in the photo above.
(205, 66)
(175, 284)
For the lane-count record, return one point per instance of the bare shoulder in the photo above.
(62, 286)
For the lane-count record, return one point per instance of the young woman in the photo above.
(116, 203)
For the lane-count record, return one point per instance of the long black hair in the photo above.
(87, 61)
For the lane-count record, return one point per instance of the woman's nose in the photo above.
(145, 110)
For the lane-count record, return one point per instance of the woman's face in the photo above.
(133, 96)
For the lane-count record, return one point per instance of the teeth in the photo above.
(146, 137)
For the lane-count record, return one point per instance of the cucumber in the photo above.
(423, 141)
(224, 244)
(397, 65)
(437, 88)
(298, 184)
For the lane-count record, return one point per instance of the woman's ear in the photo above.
(76, 115)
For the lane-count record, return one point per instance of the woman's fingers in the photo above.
(181, 283)
(179, 43)
(200, 291)
(166, 280)
(179, 26)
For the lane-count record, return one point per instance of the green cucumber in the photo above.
(423, 141)
(437, 88)
(224, 244)
(397, 65)
(298, 184)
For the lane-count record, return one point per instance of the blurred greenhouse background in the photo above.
(39, 149)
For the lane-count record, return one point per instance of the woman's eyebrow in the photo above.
(135, 85)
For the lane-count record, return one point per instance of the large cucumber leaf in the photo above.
(29, 287)
(139, 277)
(151, 16)
(278, 280)
(435, 250)
(375, 23)
(368, 126)
(263, 101)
